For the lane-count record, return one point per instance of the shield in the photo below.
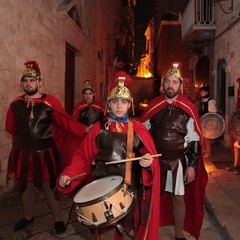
(235, 125)
(213, 125)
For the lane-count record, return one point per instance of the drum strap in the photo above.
(130, 154)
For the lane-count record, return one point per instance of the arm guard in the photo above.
(193, 153)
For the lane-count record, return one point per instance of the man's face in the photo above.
(88, 96)
(203, 93)
(171, 86)
(119, 107)
(30, 85)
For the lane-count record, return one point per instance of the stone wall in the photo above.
(227, 48)
(39, 30)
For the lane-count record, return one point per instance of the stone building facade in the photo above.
(44, 31)
(216, 62)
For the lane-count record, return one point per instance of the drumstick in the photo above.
(130, 159)
(75, 177)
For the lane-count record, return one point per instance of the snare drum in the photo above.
(103, 202)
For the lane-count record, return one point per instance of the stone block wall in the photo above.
(39, 30)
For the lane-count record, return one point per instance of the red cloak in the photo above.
(82, 105)
(84, 156)
(195, 191)
(61, 123)
(71, 143)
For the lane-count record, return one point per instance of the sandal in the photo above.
(22, 224)
(237, 170)
(231, 168)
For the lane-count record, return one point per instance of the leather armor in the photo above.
(33, 139)
(36, 133)
(89, 116)
(169, 129)
(112, 146)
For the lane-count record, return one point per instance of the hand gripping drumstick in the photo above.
(131, 159)
(75, 177)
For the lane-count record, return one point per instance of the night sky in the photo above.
(143, 13)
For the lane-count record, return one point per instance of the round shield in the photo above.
(235, 125)
(213, 125)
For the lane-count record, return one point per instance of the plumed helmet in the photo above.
(88, 86)
(115, 77)
(120, 91)
(32, 70)
(174, 71)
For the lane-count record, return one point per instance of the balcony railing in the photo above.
(198, 21)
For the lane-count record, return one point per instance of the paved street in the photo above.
(221, 221)
(42, 228)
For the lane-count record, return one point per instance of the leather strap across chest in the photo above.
(130, 154)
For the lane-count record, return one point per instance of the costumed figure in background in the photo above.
(34, 160)
(235, 135)
(86, 112)
(207, 105)
(108, 140)
(174, 124)
(89, 110)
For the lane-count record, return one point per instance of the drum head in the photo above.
(97, 189)
(213, 125)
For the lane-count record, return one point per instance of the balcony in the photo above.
(198, 25)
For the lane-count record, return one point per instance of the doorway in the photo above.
(69, 78)
(221, 86)
(202, 76)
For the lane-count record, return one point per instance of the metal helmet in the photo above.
(88, 86)
(174, 71)
(32, 70)
(120, 91)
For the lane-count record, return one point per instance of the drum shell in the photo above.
(97, 207)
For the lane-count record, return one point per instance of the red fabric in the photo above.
(82, 105)
(118, 74)
(71, 143)
(236, 108)
(62, 126)
(238, 95)
(68, 134)
(195, 191)
(84, 156)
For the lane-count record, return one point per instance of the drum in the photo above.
(103, 202)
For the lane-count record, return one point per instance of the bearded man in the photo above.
(174, 124)
(34, 161)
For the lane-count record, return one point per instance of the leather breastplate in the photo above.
(112, 146)
(32, 131)
(89, 116)
(168, 128)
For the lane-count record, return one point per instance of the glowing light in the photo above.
(147, 75)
